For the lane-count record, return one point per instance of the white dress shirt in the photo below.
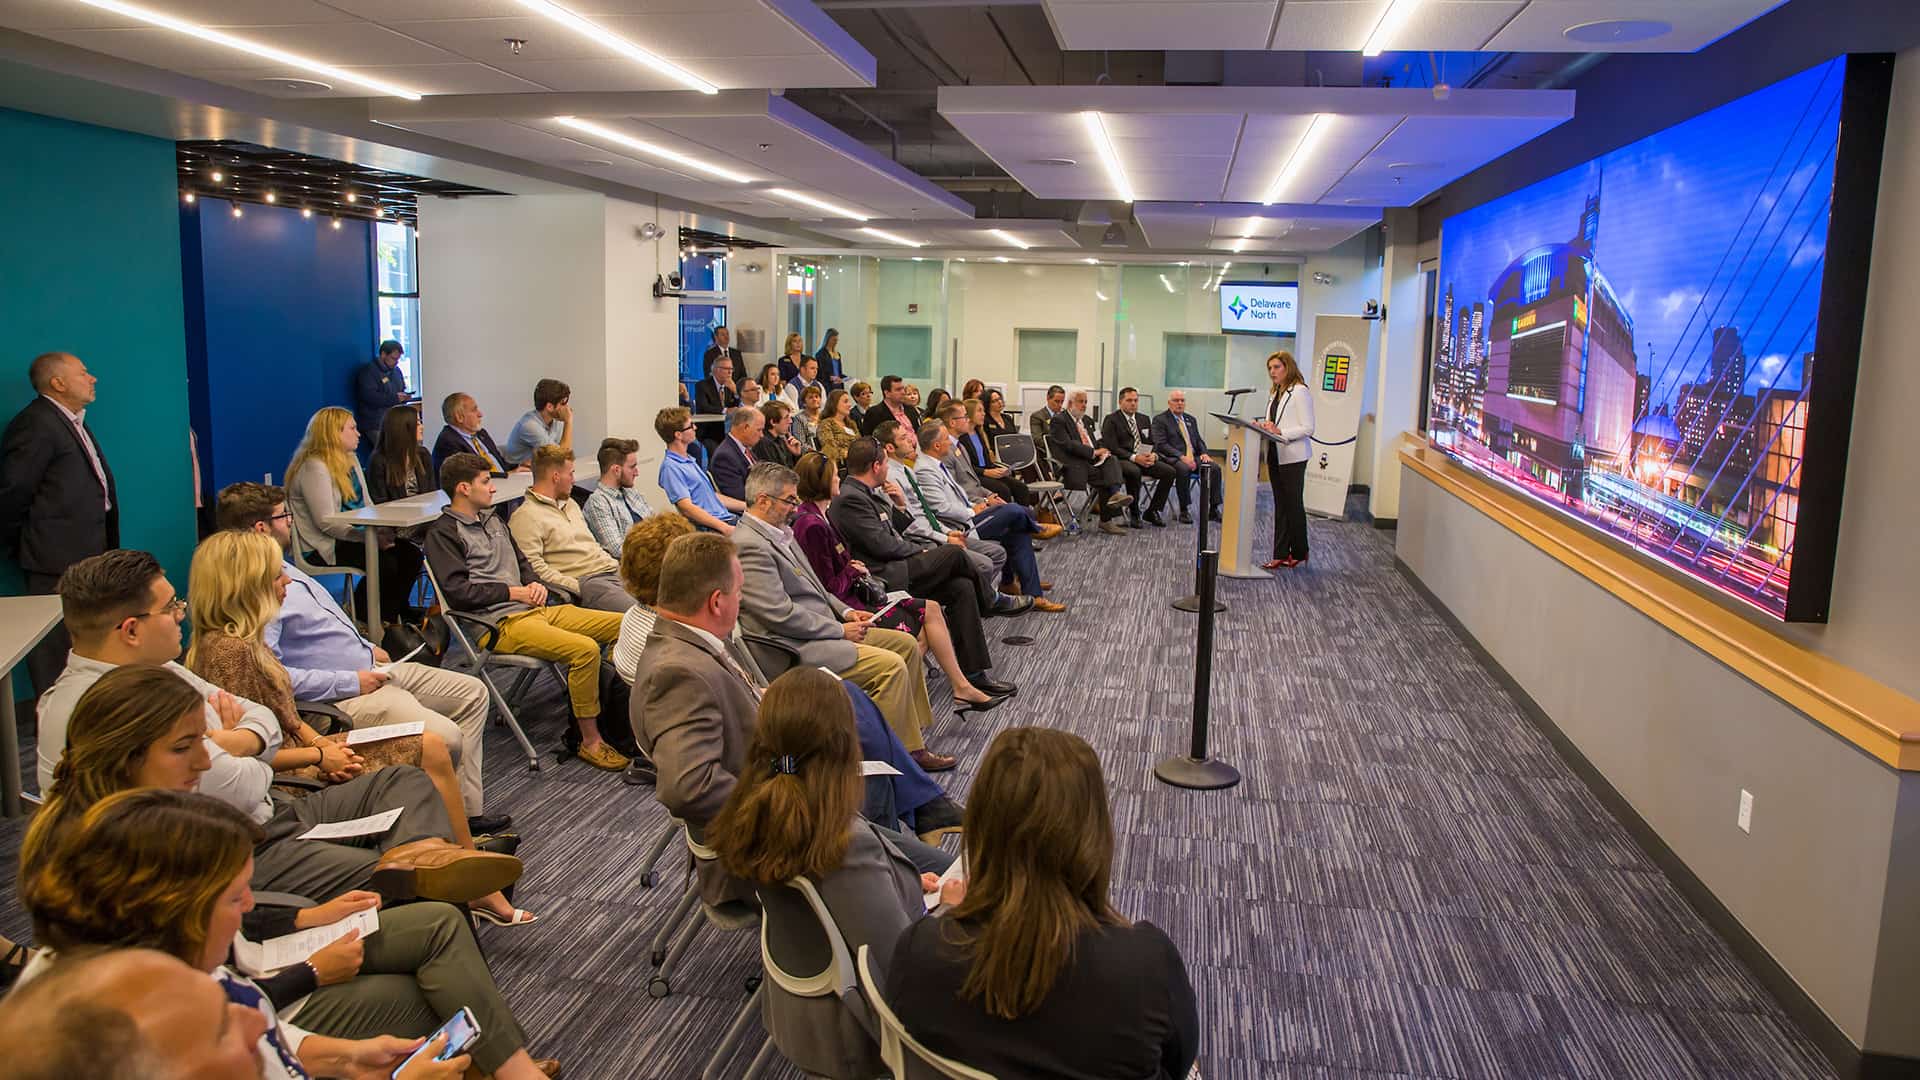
(79, 422)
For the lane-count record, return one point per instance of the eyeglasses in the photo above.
(285, 515)
(176, 607)
(686, 429)
(791, 500)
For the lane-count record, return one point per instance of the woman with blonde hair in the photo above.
(234, 593)
(806, 422)
(1290, 420)
(324, 478)
(1033, 972)
(793, 350)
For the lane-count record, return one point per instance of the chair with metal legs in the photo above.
(1017, 452)
(525, 668)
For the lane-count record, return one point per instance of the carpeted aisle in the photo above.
(1408, 883)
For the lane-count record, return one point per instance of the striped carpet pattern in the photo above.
(1409, 882)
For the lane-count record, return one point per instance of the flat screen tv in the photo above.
(1259, 307)
(1662, 342)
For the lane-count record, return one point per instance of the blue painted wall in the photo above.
(89, 238)
(281, 312)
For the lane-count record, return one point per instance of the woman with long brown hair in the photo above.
(1290, 420)
(795, 812)
(1033, 973)
(838, 428)
(772, 382)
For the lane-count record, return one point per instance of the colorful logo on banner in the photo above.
(1333, 377)
(1239, 309)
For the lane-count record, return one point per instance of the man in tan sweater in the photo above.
(552, 533)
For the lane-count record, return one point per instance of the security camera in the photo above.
(1374, 310)
(1321, 277)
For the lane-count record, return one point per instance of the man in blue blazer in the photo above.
(734, 456)
(1176, 439)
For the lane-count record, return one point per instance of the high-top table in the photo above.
(24, 620)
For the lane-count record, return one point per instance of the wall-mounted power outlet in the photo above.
(1745, 820)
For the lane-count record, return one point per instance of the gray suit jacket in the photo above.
(783, 598)
(968, 476)
(694, 718)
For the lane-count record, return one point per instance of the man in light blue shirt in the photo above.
(687, 485)
(327, 659)
(548, 423)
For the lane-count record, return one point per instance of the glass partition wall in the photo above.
(1023, 326)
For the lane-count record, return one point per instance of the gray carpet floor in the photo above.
(1409, 882)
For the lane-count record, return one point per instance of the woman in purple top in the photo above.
(839, 570)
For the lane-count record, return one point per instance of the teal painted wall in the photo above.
(90, 264)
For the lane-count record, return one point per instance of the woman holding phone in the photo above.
(1290, 420)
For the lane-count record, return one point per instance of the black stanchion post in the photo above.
(1196, 770)
(1204, 477)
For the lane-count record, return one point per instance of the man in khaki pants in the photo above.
(330, 662)
(481, 571)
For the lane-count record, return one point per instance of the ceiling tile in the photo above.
(1333, 25)
(457, 78)
(38, 15)
(338, 44)
(1194, 24)
(1542, 25)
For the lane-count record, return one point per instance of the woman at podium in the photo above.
(1290, 421)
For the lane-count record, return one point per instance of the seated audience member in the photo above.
(838, 427)
(746, 426)
(127, 1014)
(935, 402)
(144, 726)
(551, 532)
(1130, 437)
(912, 397)
(804, 375)
(464, 435)
(616, 504)
(871, 524)
(1177, 441)
(779, 445)
(862, 393)
(716, 395)
(988, 557)
(782, 598)
(481, 571)
(400, 468)
(795, 813)
(328, 661)
(972, 388)
(190, 902)
(893, 406)
(1084, 464)
(687, 485)
(772, 383)
(974, 448)
(847, 579)
(548, 423)
(640, 558)
(323, 479)
(806, 422)
(751, 396)
(1032, 972)
(1040, 421)
(1013, 527)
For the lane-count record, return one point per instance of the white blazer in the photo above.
(1292, 413)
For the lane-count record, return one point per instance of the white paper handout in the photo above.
(385, 731)
(287, 950)
(956, 872)
(388, 666)
(877, 768)
(372, 825)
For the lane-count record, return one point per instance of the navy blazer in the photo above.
(51, 511)
(376, 388)
(1166, 436)
(451, 442)
(729, 469)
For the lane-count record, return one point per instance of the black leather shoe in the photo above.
(501, 843)
(1154, 519)
(937, 819)
(639, 772)
(488, 823)
(1215, 516)
(993, 686)
(1186, 518)
(1009, 606)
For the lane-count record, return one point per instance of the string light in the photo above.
(271, 197)
(306, 211)
(336, 223)
(217, 177)
(188, 197)
(236, 210)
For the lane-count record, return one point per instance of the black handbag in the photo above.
(870, 590)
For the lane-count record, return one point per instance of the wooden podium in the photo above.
(1246, 448)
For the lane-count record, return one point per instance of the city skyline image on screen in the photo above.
(1633, 340)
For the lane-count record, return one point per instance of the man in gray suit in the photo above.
(783, 598)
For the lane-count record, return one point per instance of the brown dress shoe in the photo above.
(436, 869)
(1011, 588)
(933, 762)
(1043, 604)
(1047, 532)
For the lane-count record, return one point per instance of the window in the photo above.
(906, 351)
(1047, 356)
(1196, 361)
(397, 279)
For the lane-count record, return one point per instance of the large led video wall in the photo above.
(1662, 341)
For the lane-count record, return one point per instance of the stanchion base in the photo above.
(1191, 602)
(1186, 772)
(1017, 639)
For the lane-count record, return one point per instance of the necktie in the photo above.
(1184, 437)
(727, 659)
(480, 449)
(938, 528)
(1082, 429)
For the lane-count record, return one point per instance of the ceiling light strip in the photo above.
(615, 42)
(1302, 153)
(1392, 21)
(1108, 156)
(823, 205)
(228, 41)
(650, 149)
(1008, 237)
(891, 238)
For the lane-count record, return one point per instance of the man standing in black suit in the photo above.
(720, 348)
(893, 406)
(1130, 437)
(1176, 439)
(716, 394)
(57, 500)
(1084, 463)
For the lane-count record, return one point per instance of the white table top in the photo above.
(707, 417)
(24, 620)
(420, 509)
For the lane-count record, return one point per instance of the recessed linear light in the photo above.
(651, 149)
(1009, 238)
(1390, 24)
(1111, 159)
(818, 204)
(1091, 262)
(228, 41)
(1302, 153)
(891, 238)
(618, 44)
(1001, 258)
(1164, 281)
(1239, 245)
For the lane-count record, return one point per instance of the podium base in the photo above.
(1191, 602)
(1196, 775)
(1248, 573)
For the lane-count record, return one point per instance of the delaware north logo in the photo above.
(1239, 309)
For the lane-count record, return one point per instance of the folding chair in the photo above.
(904, 1054)
(347, 574)
(816, 964)
(525, 668)
(1017, 452)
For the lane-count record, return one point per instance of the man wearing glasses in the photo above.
(687, 485)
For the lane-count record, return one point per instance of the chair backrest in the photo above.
(899, 1049)
(1014, 451)
(455, 632)
(347, 574)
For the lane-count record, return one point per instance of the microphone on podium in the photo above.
(1233, 398)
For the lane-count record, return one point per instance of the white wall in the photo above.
(1394, 376)
(642, 336)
